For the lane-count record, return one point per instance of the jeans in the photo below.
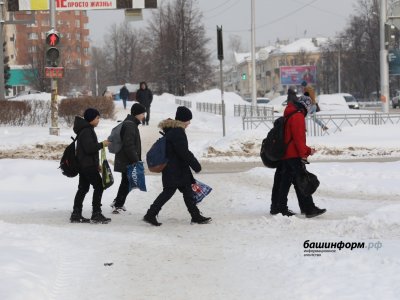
(312, 111)
(87, 177)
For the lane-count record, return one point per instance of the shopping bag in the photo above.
(306, 182)
(200, 191)
(106, 173)
(136, 178)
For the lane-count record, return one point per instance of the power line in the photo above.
(206, 11)
(228, 8)
(321, 9)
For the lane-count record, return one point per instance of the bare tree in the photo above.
(177, 45)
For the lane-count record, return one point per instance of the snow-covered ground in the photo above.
(245, 253)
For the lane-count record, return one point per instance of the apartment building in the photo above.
(26, 43)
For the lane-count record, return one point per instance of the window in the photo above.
(68, 35)
(77, 13)
(45, 22)
(60, 22)
(43, 35)
(32, 24)
(86, 51)
(87, 63)
(78, 61)
(78, 36)
(77, 23)
(31, 49)
(32, 36)
(78, 49)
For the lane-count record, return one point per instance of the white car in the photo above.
(331, 102)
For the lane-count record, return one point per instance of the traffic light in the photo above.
(220, 43)
(244, 76)
(390, 34)
(52, 52)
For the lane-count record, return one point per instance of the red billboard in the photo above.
(295, 75)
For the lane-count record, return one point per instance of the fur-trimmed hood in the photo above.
(171, 123)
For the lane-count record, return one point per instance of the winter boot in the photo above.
(151, 219)
(315, 212)
(98, 218)
(199, 219)
(76, 217)
(287, 213)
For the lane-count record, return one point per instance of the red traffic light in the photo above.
(52, 38)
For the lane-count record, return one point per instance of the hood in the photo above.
(291, 107)
(79, 124)
(145, 85)
(170, 123)
(133, 119)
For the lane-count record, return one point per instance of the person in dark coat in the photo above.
(177, 174)
(144, 96)
(130, 153)
(124, 95)
(295, 158)
(87, 153)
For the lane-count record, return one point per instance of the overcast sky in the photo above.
(283, 19)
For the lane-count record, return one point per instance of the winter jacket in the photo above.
(131, 151)
(124, 93)
(144, 96)
(295, 133)
(309, 89)
(177, 173)
(87, 145)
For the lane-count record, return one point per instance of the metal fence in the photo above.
(335, 122)
(182, 102)
(251, 110)
(213, 108)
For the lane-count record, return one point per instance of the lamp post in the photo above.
(253, 55)
(383, 55)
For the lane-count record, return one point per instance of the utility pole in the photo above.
(339, 69)
(220, 45)
(2, 85)
(384, 64)
(54, 129)
(253, 55)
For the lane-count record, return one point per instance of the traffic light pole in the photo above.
(2, 85)
(54, 129)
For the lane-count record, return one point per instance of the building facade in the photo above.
(26, 44)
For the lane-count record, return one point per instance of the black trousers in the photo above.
(275, 191)
(147, 119)
(123, 191)
(87, 177)
(167, 194)
(290, 168)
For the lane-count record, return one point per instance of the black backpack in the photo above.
(69, 164)
(273, 147)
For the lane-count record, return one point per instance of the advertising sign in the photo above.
(62, 5)
(295, 75)
(394, 62)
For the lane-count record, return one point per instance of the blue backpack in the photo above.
(156, 157)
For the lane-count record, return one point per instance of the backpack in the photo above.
(273, 147)
(69, 164)
(115, 138)
(156, 157)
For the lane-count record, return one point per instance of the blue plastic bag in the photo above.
(201, 192)
(136, 178)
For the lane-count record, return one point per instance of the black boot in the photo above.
(287, 213)
(315, 212)
(98, 218)
(76, 217)
(151, 219)
(199, 219)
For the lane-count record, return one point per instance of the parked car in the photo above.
(332, 102)
(263, 100)
(396, 100)
(351, 101)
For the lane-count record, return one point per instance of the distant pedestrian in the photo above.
(293, 163)
(124, 95)
(130, 153)
(309, 92)
(177, 174)
(144, 96)
(108, 94)
(87, 152)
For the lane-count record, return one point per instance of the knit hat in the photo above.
(304, 83)
(305, 101)
(137, 109)
(90, 114)
(183, 114)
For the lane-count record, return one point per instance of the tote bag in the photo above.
(136, 178)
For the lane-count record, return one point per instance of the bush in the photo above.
(71, 107)
(14, 112)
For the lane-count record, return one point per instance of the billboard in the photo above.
(295, 75)
(19, 5)
(394, 62)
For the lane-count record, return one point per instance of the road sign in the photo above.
(54, 72)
